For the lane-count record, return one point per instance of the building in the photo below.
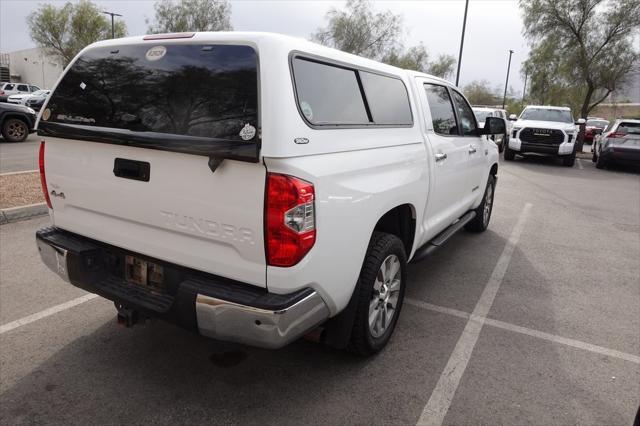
(30, 66)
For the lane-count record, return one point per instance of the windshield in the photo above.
(545, 114)
(481, 116)
(194, 98)
(598, 123)
(629, 128)
(40, 92)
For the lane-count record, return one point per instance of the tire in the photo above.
(15, 130)
(569, 160)
(483, 211)
(601, 163)
(509, 154)
(385, 253)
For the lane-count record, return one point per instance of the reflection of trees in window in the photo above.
(190, 100)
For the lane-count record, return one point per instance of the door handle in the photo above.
(472, 149)
(440, 156)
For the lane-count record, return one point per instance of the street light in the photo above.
(464, 26)
(504, 97)
(113, 28)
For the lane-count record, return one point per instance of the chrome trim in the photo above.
(224, 320)
(54, 257)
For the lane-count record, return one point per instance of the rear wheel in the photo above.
(483, 211)
(380, 294)
(15, 130)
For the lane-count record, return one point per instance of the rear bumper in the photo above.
(214, 306)
(626, 156)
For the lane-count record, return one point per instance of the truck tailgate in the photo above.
(184, 213)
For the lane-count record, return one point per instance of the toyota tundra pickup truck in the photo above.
(254, 187)
(548, 130)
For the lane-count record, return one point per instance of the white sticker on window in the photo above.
(306, 110)
(247, 132)
(83, 85)
(155, 53)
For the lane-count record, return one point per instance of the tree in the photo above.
(443, 67)
(359, 30)
(585, 47)
(63, 32)
(479, 92)
(191, 15)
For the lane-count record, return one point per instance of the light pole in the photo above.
(113, 28)
(504, 97)
(464, 26)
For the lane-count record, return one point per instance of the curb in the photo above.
(15, 214)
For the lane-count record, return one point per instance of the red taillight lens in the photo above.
(289, 219)
(43, 177)
(616, 135)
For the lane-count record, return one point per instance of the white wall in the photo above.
(26, 66)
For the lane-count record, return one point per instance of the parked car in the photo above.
(16, 122)
(594, 127)
(8, 89)
(36, 101)
(482, 113)
(620, 143)
(21, 99)
(548, 130)
(255, 206)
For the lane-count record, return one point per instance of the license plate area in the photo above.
(144, 273)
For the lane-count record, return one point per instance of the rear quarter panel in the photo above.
(353, 191)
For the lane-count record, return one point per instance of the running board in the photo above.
(440, 239)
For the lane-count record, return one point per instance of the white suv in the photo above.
(544, 130)
(255, 200)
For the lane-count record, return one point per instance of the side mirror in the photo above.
(513, 117)
(581, 121)
(494, 126)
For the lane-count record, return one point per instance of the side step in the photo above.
(440, 239)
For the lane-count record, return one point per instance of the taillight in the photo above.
(616, 135)
(43, 177)
(289, 219)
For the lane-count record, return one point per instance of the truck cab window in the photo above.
(465, 114)
(442, 115)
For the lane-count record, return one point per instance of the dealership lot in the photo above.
(553, 286)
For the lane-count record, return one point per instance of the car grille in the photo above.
(542, 136)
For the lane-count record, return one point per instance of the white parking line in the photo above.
(579, 164)
(46, 313)
(527, 331)
(442, 395)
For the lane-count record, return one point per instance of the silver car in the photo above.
(619, 143)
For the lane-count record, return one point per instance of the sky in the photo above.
(493, 27)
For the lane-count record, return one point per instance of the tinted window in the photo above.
(34, 88)
(442, 115)
(598, 123)
(328, 94)
(23, 88)
(633, 128)
(208, 92)
(387, 99)
(465, 115)
(8, 86)
(545, 114)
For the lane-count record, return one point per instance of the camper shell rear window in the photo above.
(192, 98)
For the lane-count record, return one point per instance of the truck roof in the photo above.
(549, 107)
(273, 40)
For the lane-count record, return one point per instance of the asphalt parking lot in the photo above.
(19, 156)
(536, 321)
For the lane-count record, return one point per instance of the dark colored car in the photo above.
(16, 121)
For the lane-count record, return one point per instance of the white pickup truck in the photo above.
(255, 187)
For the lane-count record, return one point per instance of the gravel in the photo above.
(20, 189)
